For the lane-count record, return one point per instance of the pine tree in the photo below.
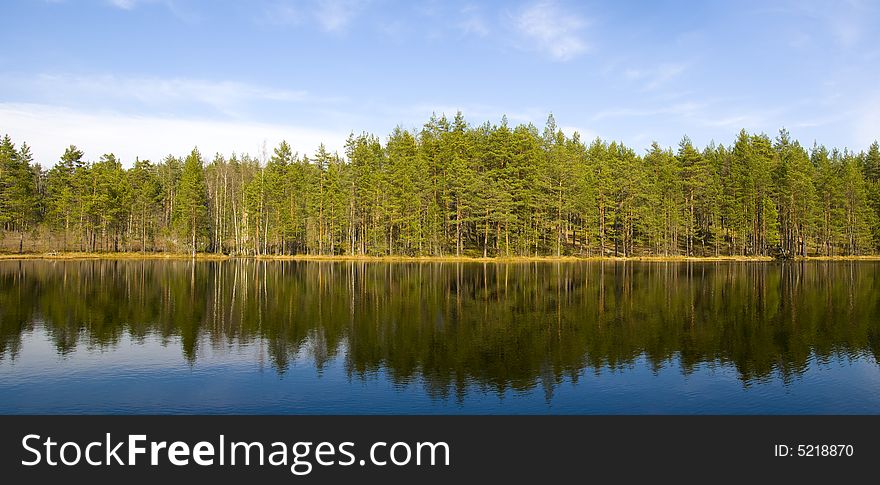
(710, 198)
(872, 184)
(859, 219)
(191, 206)
(693, 176)
(795, 194)
(828, 193)
(457, 145)
(276, 199)
(601, 164)
(17, 189)
(63, 193)
(455, 188)
(499, 180)
(405, 192)
(528, 200)
(664, 194)
(872, 163)
(627, 175)
(147, 198)
(743, 193)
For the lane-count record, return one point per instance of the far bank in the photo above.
(413, 259)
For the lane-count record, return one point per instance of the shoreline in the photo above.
(74, 256)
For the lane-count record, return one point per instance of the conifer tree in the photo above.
(63, 193)
(18, 189)
(452, 188)
(191, 206)
(147, 197)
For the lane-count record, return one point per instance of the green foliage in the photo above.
(450, 188)
(191, 208)
(63, 193)
(107, 199)
(18, 189)
(146, 200)
(872, 182)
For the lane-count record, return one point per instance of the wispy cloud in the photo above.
(281, 13)
(336, 15)
(586, 134)
(227, 97)
(727, 114)
(737, 121)
(843, 20)
(474, 113)
(49, 129)
(846, 23)
(654, 77)
(731, 117)
(332, 16)
(133, 4)
(123, 4)
(178, 9)
(867, 122)
(473, 22)
(552, 29)
(678, 109)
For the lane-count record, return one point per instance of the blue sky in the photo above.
(151, 77)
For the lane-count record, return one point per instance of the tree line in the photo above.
(454, 189)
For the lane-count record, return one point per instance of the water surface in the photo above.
(273, 337)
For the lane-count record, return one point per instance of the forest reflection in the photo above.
(497, 325)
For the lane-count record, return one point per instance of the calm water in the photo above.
(307, 337)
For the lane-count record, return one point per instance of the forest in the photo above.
(454, 189)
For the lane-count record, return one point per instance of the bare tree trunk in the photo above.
(486, 234)
(457, 228)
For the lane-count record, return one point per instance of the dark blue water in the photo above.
(338, 338)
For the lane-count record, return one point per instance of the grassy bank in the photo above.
(405, 259)
(561, 259)
(508, 259)
(132, 256)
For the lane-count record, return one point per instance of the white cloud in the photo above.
(474, 113)
(727, 114)
(336, 15)
(473, 22)
(686, 109)
(123, 4)
(49, 129)
(663, 74)
(846, 23)
(820, 121)
(586, 134)
(132, 4)
(281, 14)
(176, 8)
(227, 97)
(333, 16)
(655, 77)
(552, 30)
(633, 74)
(867, 123)
(750, 121)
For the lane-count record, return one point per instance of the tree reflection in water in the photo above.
(498, 326)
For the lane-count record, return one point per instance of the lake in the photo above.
(305, 337)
